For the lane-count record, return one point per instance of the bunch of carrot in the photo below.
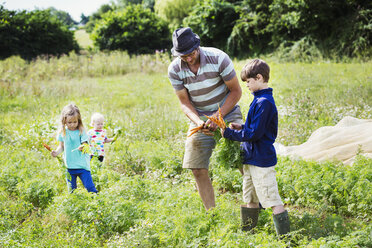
(216, 119)
(194, 130)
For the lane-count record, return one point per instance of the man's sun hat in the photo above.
(184, 41)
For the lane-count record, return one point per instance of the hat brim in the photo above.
(180, 53)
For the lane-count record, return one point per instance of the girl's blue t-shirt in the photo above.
(75, 159)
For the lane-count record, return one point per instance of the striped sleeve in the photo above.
(173, 76)
(226, 67)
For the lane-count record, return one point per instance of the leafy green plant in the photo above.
(130, 29)
(213, 21)
(34, 33)
(174, 11)
(37, 192)
(338, 188)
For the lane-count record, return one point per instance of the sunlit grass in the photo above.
(83, 39)
(146, 198)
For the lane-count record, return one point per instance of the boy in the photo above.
(258, 135)
(98, 136)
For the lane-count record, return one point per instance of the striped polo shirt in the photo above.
(206, 89)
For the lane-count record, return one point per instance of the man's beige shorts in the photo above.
(198, 147)
(260, 186)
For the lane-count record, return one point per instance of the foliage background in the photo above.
(297, 30)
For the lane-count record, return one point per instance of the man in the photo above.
(204, 79)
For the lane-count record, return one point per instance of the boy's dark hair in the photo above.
(254, 67)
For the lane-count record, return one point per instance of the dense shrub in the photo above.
(97, 16)
(63, 16)
(174, 11)
(213, 21)
(30, 34)
(146, 3)
(336, 28)
(38, 192)
(134, 29)
(248, 35)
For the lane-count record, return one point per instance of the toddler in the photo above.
(98, 137)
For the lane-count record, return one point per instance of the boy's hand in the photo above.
(235, 126)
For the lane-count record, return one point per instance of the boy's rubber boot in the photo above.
(281, 222)
(249, 217)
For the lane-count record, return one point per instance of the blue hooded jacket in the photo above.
(259, 132)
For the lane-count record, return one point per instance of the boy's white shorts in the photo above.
(260, 186)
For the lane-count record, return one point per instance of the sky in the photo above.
(74, 7)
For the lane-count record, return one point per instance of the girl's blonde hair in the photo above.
(95, 117)
(68, 111)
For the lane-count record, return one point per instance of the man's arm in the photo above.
(234, 96)
(187, 108)
(231, 100)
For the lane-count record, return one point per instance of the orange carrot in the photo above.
(194, 130)
(47, 147)
(217, 119)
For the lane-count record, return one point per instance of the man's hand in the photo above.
(205, 129)
(211, 125)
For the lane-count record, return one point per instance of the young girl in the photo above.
(98, 136)
(71, 138)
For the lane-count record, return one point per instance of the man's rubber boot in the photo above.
(249, 217)
(281, 222)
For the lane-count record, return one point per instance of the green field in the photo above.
(145, 198)
(82, 37)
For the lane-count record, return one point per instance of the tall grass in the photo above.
(146, 199)
(17, 74)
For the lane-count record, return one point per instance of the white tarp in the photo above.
(340, 142)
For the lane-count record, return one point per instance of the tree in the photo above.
(174, 11)
(96, 16)
(213, 21)
(145, 3)
(134, 28)
(30, 34)
(84, 19)
(338, 27)
(63, 16)
(249, 35)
